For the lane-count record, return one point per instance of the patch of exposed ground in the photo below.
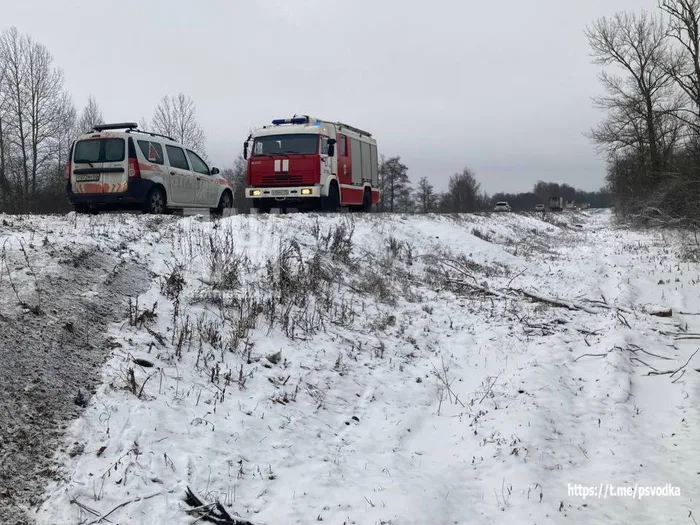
(52, 345)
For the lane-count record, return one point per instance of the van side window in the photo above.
(152, 151)
(342, 149)
(177, 158)
(198, 164)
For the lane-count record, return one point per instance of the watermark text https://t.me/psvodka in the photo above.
(636, 491)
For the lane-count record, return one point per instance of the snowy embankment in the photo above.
(389, 369)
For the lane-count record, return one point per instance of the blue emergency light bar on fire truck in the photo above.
(305, 119)
(293, 120)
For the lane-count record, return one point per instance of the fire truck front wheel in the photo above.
(262, 205)
(332, 202)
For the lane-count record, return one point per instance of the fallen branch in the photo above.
(646, 364)
(674, 372)
(213, 512)
(477, 287)
(554, 301)
(134, 500)
(87, 509)
(592, 355)
(679, 377)
(605, 304)
(635, 348)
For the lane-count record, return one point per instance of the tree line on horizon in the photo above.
(463, 193)
(39, 121)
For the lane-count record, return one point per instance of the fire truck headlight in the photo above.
(255, 193)
(306, 191)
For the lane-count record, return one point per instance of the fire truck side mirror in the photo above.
(245, 150)
(331, 147)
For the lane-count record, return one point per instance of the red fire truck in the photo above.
(307, 163)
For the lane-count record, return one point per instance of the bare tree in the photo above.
(12, 53)
(45, 102)
(426, 199)
(33, 103)
(641, 104)
(684, 61)
(176, 117)
(91, 116)
(5, 115)
(393, 179)
(463, 192)
(404, 200)
(67, 130)
(34, 111)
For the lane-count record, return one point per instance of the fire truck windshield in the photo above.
(299, 144)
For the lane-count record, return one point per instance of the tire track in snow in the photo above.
(47, 358)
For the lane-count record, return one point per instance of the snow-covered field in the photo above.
(376, 369)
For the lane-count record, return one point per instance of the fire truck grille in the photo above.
(283, 180)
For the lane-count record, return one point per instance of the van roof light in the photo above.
(118, 125)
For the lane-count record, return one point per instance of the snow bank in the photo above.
(388, 369)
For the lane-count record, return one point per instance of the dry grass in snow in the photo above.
(389, 369)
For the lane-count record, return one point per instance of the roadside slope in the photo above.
(388, 369)
(58, 294)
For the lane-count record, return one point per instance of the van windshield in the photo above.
(300, 144)
(98, 150)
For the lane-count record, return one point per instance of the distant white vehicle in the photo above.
(539, 207)
(502, 206)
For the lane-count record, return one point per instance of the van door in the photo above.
(99, 165)
(182, 183)
(207, 189)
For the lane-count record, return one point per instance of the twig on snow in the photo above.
(591, 355)
(134, 500)
(514, 278)
(646, 364)
(623, 320)
(490, 388)
(88, 509)
(674, 372)
(554, 301)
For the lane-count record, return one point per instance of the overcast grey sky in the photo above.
(501, 87)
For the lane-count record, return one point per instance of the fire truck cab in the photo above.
(307, 163)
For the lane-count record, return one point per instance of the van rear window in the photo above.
(99, 150)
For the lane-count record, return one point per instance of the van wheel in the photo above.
(332, 202)
(155, 203)
(225, 202)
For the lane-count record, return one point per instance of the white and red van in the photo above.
(129, 169)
